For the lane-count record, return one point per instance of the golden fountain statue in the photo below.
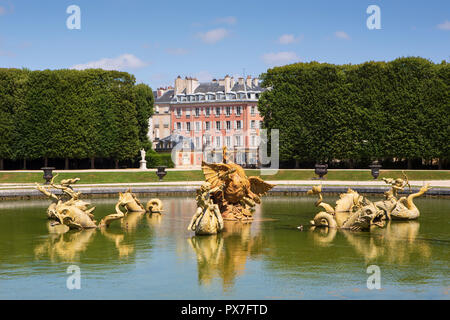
(403, 208)
(352, 211)
(67, 209)
(234, 193)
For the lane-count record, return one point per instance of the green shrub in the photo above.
(155, 159)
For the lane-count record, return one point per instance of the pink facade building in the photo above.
(208, 116)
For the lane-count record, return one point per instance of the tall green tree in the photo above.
(144, 100)
(397, 109)
(12, 84)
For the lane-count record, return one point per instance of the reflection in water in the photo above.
(397, 243)
(154, 219)
(66, 246)
(124, 249)
(268, 256)
(225, 254)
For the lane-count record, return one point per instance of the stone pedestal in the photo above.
(143, 165)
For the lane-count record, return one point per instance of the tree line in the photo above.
(387, 111)
(72, 114)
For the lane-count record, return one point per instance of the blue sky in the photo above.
(159, 40)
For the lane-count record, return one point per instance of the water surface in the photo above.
(157, 258)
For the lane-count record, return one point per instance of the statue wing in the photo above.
(258, 186)
(213, 171)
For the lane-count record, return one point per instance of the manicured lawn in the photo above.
(197, 175)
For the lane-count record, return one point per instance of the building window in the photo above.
(238, 110)
(239, 125)
(156, 109)
(197, 112)
(188, 126)
(207, 125)
(228, 111)
(197, 143)
(228, 141)
(217, 111)
(253, 110)
(252, 124)
(207, 111)
(228, 125)
(237, 141)
(197, 126)
(253, 141)
(157, 133)
(178, 125)
(218, 141)
(217, 125)
(178, 112)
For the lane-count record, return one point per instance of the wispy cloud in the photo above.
(177, 51)
(124, 61)
(213, 36)
(444, 25)
(342, 35)
(226, 20)
(279, 58)
(289, 38)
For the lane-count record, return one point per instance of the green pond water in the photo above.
(157, 258)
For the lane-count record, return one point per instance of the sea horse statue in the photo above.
(403, 208)
(352, 211)
(75, 213)
(207, 218)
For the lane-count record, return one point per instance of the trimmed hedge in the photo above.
(159, 159)
(72, 114)
(375, 110)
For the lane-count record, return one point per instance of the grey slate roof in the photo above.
(209, 87)
(166, 97)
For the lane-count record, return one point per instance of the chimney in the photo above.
(227, 84)
(255, 82)
(241, 81)
(160, 92)
(191, 85)
(232, 83)
(180, 85)
(249, 82)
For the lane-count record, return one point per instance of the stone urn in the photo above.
(375, 169)
(321, 170)
(161, 172)
(48, 174)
